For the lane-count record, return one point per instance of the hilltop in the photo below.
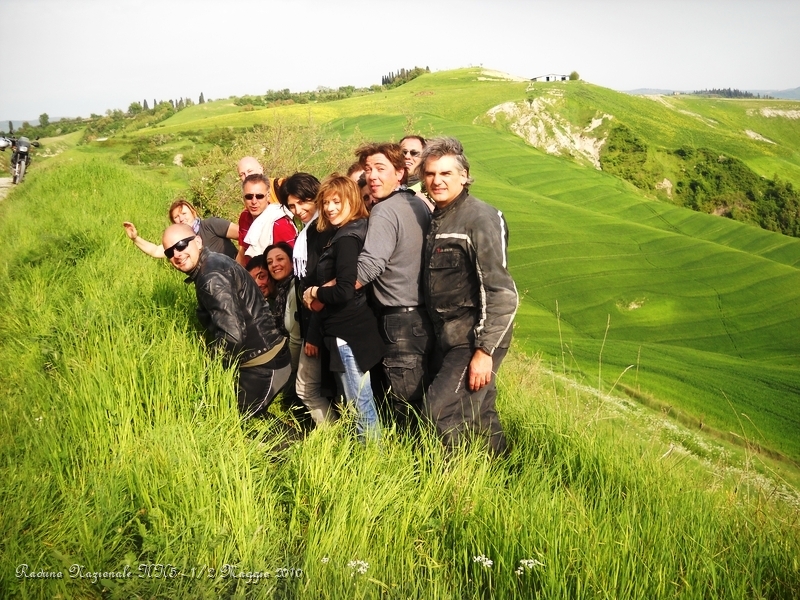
(736, 158)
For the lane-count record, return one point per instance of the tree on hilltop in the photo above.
(135, 108)
(574, 76)
(201, 100)
(144, 105)
(44, 120)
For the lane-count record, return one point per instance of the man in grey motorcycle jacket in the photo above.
(471, 298)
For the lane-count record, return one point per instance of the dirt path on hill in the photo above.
(5, 186)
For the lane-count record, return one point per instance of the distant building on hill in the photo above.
(551, 77)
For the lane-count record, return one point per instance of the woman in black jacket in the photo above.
(348, 324)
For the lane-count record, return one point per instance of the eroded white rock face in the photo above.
(665, 185)
(776, 112)
(538, 122)
(757, 136)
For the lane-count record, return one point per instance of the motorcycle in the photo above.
(20, 155)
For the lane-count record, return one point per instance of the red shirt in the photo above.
(282, 231)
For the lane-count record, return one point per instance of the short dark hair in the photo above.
(281, 246)
(301, 185)
(445, 146)
(255, 178)
(255, 262)
(354, 168)
(389, 150)
(414, 137)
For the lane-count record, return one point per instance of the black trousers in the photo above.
(409, 344)
(457, 412)
(259, 385)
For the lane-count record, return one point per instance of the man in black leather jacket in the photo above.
(236, 317)
(470, 296)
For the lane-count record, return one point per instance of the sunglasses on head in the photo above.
(258, 196)
(412, 152)
(178, 246)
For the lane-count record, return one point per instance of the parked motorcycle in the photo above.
(20, 155)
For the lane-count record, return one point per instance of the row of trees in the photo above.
(393, 80)
(731, 93)
(47, 129)
(135, 108)
(284, 96)
(116, 120)
(113, 120)
(325, 94)
(137, 116)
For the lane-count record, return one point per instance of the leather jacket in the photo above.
(232, 309)
(469, 293)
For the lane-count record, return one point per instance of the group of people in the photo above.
(394, 295)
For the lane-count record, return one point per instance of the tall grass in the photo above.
(122, 448)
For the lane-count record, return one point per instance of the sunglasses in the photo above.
(179, 246)
(413, 153)
(257, 196)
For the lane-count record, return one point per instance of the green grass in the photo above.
(122, 447)
(121, 443)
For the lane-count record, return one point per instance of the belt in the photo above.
(396, 310)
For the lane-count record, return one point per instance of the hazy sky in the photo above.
(74, 57)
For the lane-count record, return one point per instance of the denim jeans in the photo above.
(357, 389)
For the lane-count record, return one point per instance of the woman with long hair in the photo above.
(284, 300)
(348, 324)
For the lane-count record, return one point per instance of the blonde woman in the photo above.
(348, 324)
(216, 233)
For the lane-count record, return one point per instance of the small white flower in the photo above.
(483, 560)
(358, 567)
(325, 560)
(528, 563)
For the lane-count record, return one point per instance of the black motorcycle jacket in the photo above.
(469, 292)
(232, 309)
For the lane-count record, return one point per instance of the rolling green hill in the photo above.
(713, 155)
(704, 310)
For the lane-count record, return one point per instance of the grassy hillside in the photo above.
(702, 309)
(738, 158)
(124, 466)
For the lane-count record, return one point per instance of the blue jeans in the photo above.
(357, 389)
